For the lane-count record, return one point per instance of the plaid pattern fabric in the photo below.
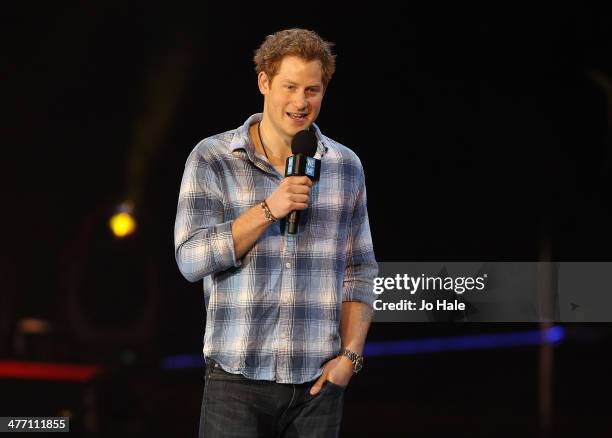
(274, 314)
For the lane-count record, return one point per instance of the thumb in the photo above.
(318, 384)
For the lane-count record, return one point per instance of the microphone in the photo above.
(302, 163)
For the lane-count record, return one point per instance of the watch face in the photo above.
(358, 364)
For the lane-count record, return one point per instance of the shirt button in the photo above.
(287, 265)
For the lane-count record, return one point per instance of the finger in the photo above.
(302, 199)
(301, 180)
(314, 390)
(298, 206)
(299, 188)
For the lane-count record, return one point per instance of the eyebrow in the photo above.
(287, 81)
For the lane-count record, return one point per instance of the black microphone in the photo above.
(302, 163)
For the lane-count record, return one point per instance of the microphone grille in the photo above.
(304, 142)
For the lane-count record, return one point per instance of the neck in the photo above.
(273, 141)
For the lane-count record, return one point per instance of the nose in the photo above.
(300, 101)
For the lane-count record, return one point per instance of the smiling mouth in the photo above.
(297, 116)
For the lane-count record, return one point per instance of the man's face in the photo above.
(292, 98)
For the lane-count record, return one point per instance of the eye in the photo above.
(290, 87)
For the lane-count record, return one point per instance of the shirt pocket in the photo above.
(329, 213)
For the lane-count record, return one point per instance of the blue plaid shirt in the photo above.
(275, 313)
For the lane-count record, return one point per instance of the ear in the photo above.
(263, 82)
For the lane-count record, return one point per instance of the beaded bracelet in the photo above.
(269, 216)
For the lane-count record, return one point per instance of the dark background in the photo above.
(484, 133)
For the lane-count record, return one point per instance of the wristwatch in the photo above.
(355, 358)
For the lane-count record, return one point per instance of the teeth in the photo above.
(297, 116)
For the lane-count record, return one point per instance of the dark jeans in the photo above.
(234, 406)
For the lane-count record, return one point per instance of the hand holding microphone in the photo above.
(291, 195)
(301, 170)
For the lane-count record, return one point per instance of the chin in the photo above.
(295, 128)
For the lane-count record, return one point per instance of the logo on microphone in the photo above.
(310, 167)
(290, 165)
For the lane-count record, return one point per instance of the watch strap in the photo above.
(355, 358)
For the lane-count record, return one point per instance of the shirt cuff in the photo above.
(223, 244)
(362, 292)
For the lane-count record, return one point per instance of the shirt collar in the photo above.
(242, 139)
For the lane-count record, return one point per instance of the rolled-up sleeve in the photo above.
(203, 241)
(361, 267)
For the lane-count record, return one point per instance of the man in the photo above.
(287, 314)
